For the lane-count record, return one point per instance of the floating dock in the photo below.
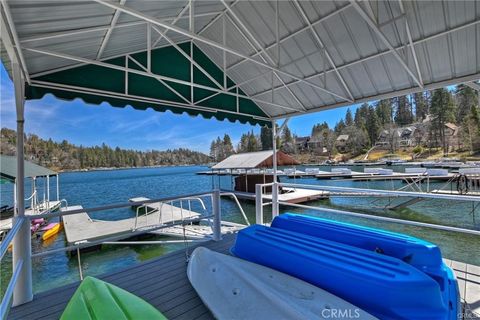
(290, 195)
(163, 283)
(80, 227)
(6, 224)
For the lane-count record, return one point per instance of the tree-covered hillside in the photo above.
(66, 156)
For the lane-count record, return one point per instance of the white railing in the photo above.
(16, 269)
(12, 289)
(259, 204)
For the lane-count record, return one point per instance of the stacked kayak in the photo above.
(96, 300)
(233, 288)
(389, 275)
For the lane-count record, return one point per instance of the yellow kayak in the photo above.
(51, 232)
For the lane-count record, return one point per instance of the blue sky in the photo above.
(88, 125)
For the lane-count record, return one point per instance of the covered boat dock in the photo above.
(250, 61)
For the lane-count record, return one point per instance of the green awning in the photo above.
(8, 169)
(97, 83)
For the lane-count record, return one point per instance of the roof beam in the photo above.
(150, 75)
(245, 32)
(410, 41)
(376, 55)
(69, 33)
(115, 17)
(213, 44)
(430, 86)
(293, 34)
(188, 57)
(8, 22)
(372, 24)
(322, 46)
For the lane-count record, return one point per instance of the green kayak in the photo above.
(96, 299)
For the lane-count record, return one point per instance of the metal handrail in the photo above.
(387, 219)
(115, 206)
(386, 192)
(7, 298)
(231, 194)
(139, 231)
(10, 235)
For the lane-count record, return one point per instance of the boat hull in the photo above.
(233, 288)
(386, 287)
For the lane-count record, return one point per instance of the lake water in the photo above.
(97, 188)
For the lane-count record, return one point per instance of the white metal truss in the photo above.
(372, 24)
(116, 15)
(152, 75)
(7, 22)
(247, 35)
(410, 41)
(214, 44)
(375, 55)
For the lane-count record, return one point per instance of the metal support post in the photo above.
(22, 245)
(258, 204)
(217, 216)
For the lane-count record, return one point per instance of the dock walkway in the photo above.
(163, 283)
(80, 227)
(290, 195)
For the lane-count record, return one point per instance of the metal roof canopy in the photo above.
(285, 58)
(8, 169)
(251, 160)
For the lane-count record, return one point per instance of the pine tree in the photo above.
(372, 125)
(466, 98)
(266, 138)
(227, 146)
(339, 127)
(403, 115)
(421, 105)
(384, 111)
(348, 118)
(442, 110)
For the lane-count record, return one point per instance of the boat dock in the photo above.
(163, 283)
(80, 227)
(290, 195)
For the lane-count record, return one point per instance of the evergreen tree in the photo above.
(361, 116)
(348, 118)
(227, 146)
(466, 98)
(442, 110)
(421, 105)
(339, 127)
(287, 135)
(266, 138)
(372, 125)
(384, 111)
(403, 115)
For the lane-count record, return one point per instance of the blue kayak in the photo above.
(384, 286)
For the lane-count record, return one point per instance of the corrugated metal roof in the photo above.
(8, 169)
(252, 160)
(355, 51)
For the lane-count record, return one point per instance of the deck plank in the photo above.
(472, 291)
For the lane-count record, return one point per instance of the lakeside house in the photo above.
(341, 143)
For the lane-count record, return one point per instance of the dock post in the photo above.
(22, 245)
(258, 204)
(217, 216)
(274, 163)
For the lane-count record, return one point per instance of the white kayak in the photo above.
(233, 288)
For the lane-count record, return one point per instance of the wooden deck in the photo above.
(163, 283)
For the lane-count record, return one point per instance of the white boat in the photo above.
(233, 288)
